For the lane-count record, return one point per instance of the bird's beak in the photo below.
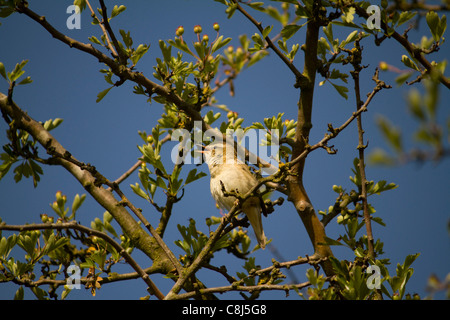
(201, 146)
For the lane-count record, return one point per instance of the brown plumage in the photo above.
(235, 175)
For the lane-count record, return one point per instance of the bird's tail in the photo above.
(253, 212)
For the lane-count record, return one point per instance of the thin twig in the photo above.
(357, 56)
(256, 288)
(102, 26)
(123, 58)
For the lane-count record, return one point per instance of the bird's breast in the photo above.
(234, 177)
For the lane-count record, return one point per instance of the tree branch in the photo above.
(235, 286)
(196, 264)
(102, 26)
(118, 69)
(251, 289)
(122, 58)
(334, 132)
(153, 289)
(99, 180)
(139, 237)
(416, 53)
(356, 57)
(301, 80)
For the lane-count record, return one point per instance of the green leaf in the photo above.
(8, 161)
(166, 51)
(336, 74)
(266, 31)
(410, 259)
(160, 183)
(27, 243)
(442, 26)
(289, 30)
(99, 258)
(282, 45)
(80, 3)
(6, 11)
(76, 204)
(323, 46)
(192, 176)
(126, 38)
(339, 268)
(6, 245)
(409, 63)
(52, 123)
(36, 170)
(117, 10)
(41, 294)
(391, 134)
(139, 53)
(210, 117)
(350, 38)
(102, 94)
(2, 70)
(328, 30)
(259, 43)
(27, 80)
(332, 242)
(19, 294)
(137, 189)
(256, 5)
(219, 43)
(274, 13)
(342, 90)
(256, 57)
(405, 16)
(403, 77)
(381, 186)
(181, 45)
(94, 40)
(437, 26)
(379, 221)
(293, 52)
(359, 252)
(231, 10)
(433, 22)
(110, 228)
(301, 12)
(17, 72)
(348, 15)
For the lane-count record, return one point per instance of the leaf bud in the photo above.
(44, 217)
(179, 32)
(197, 29)
(383, 66)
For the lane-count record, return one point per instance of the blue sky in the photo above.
(66, 84)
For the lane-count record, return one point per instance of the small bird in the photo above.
(227, 170)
